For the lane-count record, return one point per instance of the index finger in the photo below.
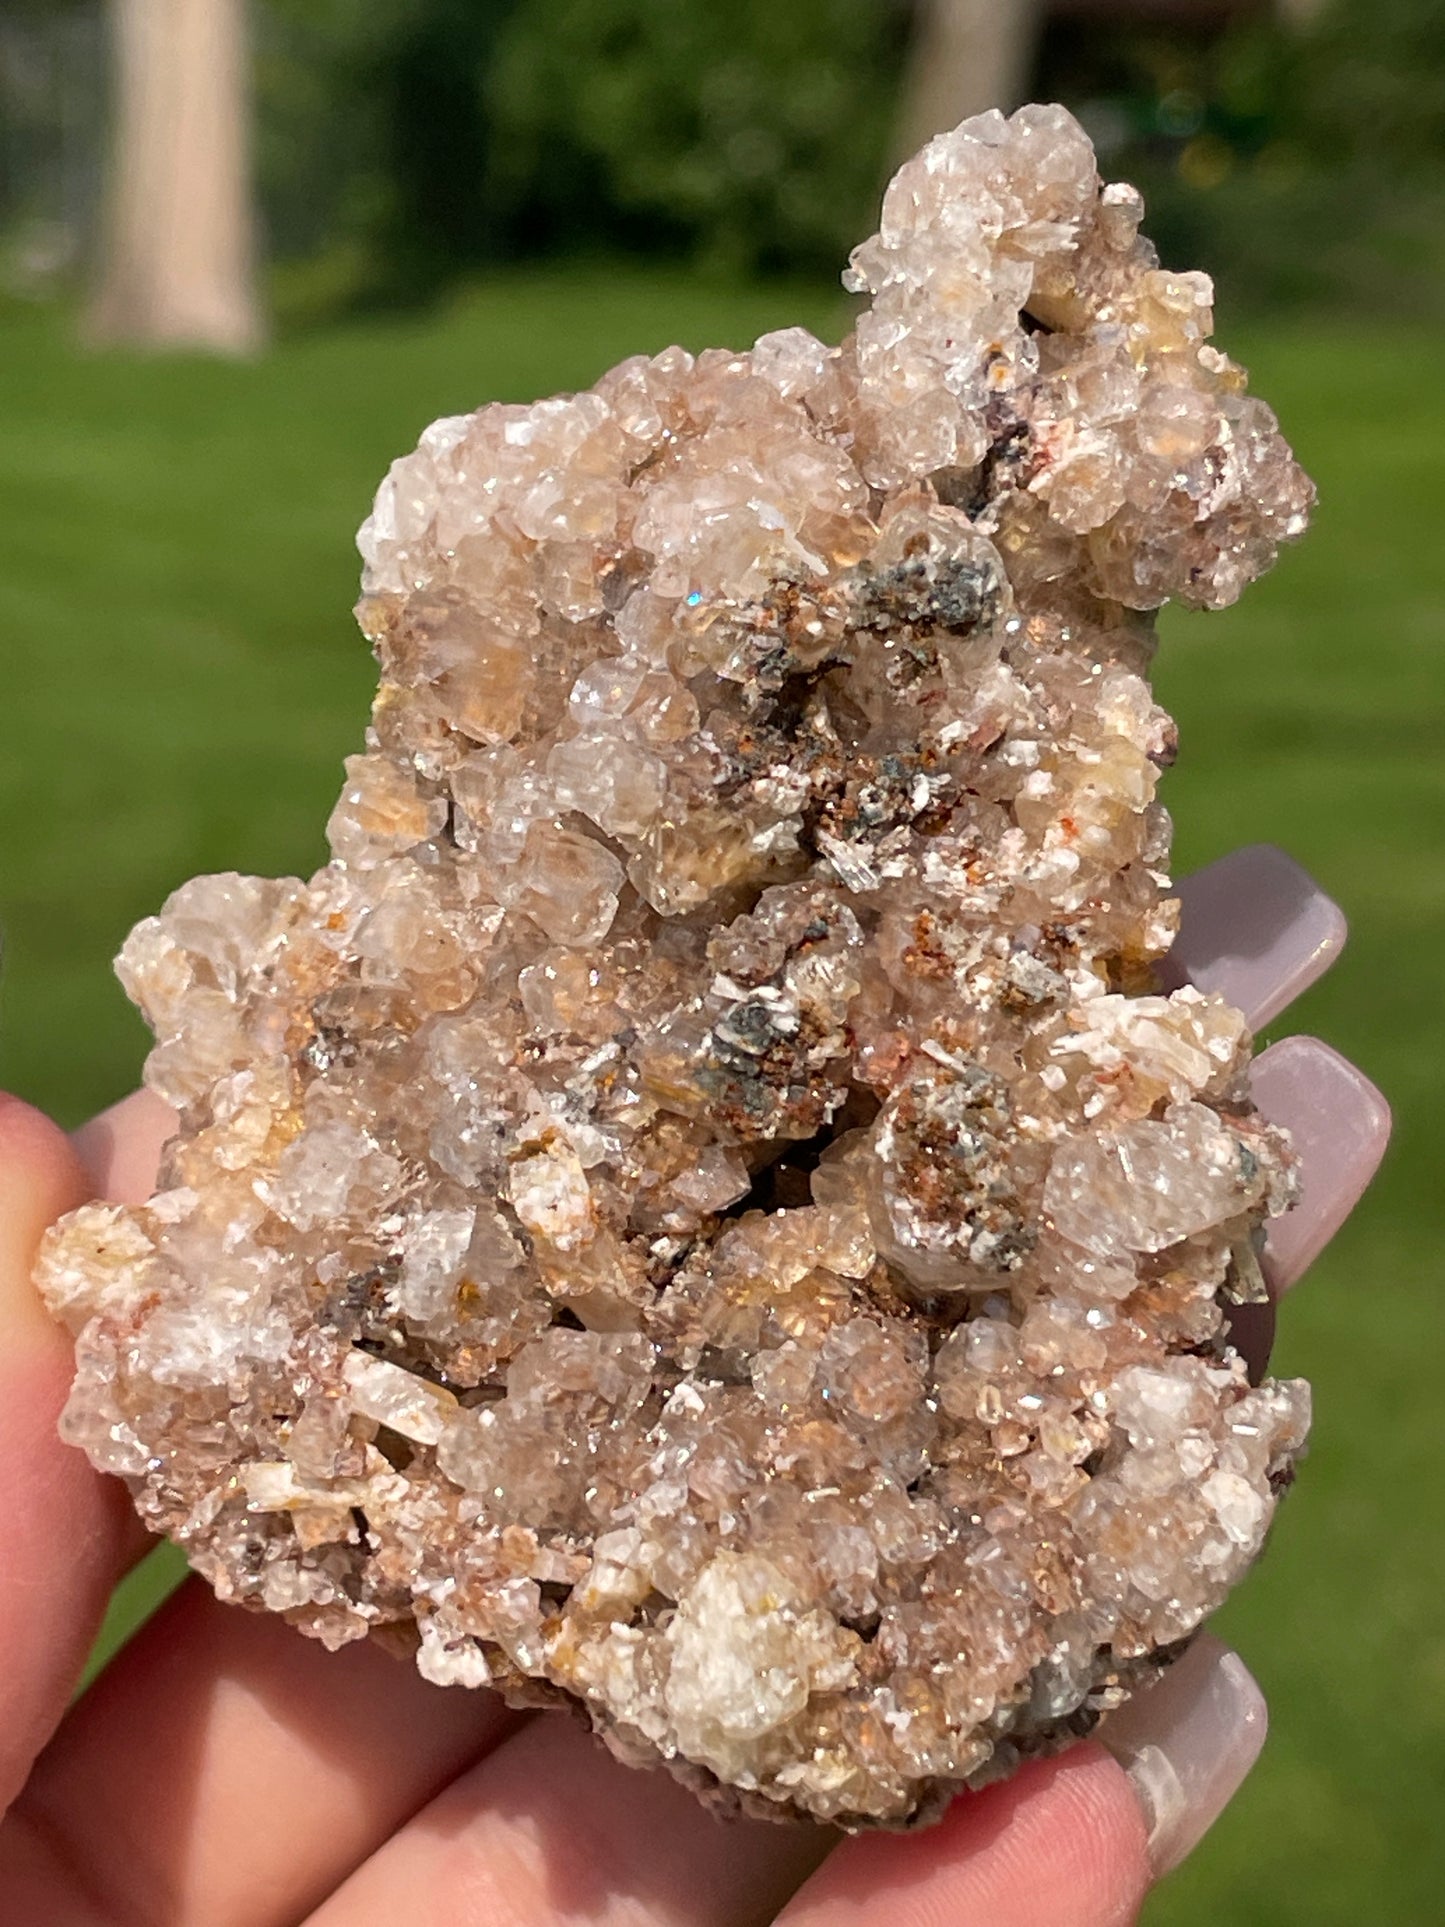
(121, 1147)
(68, 1532)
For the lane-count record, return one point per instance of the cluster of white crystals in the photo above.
(698, 1209)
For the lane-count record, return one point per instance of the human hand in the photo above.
(224, 1773)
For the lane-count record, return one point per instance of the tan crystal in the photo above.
(699, 1206)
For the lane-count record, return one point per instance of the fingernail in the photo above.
(1339, 1125)
(1256, 928)
(1186, 1744)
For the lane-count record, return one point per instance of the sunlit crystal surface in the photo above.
(697, 1209)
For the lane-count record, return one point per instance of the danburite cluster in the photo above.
(697, 1209)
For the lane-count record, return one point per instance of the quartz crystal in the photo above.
(699, 1211)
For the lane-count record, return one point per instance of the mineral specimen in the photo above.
(698, 1209)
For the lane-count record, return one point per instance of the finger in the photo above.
(1256, 928)
(1062, 1844)
(325, 1754)
(226, 1772)
(121, 1148)
(1340, 1125)
(68, 1532)
(1072, 1842)
(551, 1828)
(1066, 1843)
(139, 1184)
(1187, 1743)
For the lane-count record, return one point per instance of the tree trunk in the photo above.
(968, 55)
(178, 263)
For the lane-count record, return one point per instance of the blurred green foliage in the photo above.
(403, 145)
(1301, 165)
(751, 133)
(375, 146)
(405, 142)
(183, 679)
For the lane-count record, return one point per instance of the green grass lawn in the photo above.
(182, 679)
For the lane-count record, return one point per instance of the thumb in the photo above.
(66, 1528)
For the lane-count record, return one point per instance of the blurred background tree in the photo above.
(1299, 145)
(403, 145)
(966, 56)
(176, 247)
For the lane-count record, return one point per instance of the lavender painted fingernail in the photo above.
(1255, 927)
(1187, 1743)
(1340, 1125)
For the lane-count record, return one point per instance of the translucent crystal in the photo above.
(700, 1206)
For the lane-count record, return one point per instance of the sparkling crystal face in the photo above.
(697, 1208)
